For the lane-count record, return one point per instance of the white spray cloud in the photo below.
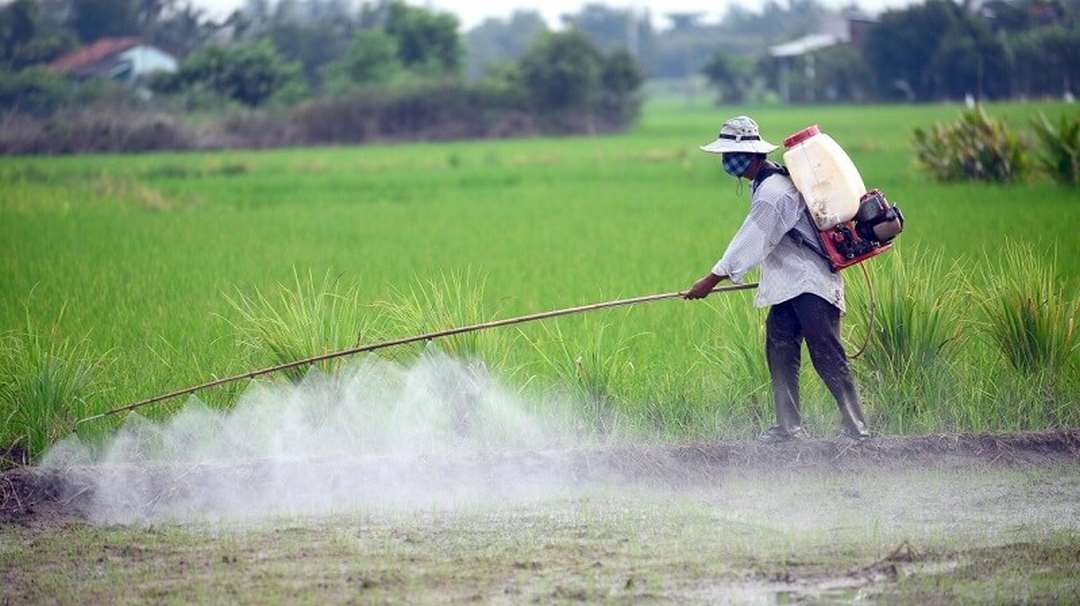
(435, 433)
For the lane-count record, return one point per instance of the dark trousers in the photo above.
(817, 321)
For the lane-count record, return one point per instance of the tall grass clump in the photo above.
(456, 299)
(46, 383)
(1030, 318)
(736, 357)
(913, 326)
(593, 361)
(1059, 148)
(299, 320)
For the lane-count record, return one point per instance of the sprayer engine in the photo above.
(870, 233)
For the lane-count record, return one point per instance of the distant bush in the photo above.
(1059, 153)
(975, 147)
(34, 91)
(427, 110)
(572, 86)
(372, 58)
(94, 130)
(249, 73)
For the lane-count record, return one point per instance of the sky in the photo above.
(472, 12)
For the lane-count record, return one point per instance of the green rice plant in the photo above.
(46, 382)
(914, 326)
(594, 361)
(915, 315)
(737, 356)
(456, 299)
(975, 147)
(300, 320)
(1059, 153)
(1029, 317)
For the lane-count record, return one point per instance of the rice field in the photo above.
(128, 275)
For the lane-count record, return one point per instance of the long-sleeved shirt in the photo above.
(789, 268)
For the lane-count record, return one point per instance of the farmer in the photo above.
(804, 296)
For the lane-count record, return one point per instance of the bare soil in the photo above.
(30, 495)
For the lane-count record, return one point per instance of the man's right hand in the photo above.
(703, 287)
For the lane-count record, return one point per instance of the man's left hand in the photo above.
(703, 287)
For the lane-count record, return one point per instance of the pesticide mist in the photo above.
(436, 433)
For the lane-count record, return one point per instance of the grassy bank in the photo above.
(123, 267)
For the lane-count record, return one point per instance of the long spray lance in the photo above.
(404, 341)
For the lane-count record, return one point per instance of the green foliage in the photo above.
(1046, 60)
(561, 72)
(248, 73)
(729, 76)
(975, 146)
(456, 299)
(593, 361)
(93, 19)
(1030, 317)
(1059, 147)
(372, 58)
(428, 41)
(916, 313)
(34, 91)
(620, 79)
(47, 380)
(915, 326)
(497, 42)
(300, 320)
(565, 77)
(735, 352)
(552, 222)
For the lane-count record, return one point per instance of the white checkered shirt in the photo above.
(788, 268)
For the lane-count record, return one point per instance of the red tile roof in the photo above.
(93, 53)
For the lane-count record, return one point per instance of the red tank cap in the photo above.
(801, 136)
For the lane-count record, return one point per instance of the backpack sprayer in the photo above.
(853, 224)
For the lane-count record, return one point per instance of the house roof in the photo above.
(93, 53)
(805, 44)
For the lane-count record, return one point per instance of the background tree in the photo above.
(496, 42)
(562, 71)
(248, 73)
(729, 76)
(427, 41)
(371, 58)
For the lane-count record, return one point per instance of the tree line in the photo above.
(316, 71)
(932, 51)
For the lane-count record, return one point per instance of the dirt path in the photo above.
(29, 494)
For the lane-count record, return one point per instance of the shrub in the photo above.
(46, 381)
(1059, 150)
(300, 320)
(96, 129)
(250, 73)
(974, 147)
(1030, 319)
(35, 91)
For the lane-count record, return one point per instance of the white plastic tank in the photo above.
(824, 175)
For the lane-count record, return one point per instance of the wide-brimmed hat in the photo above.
(739, 134)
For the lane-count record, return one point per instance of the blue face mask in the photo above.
(737, 163)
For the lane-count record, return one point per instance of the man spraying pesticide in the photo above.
(800, 243)
(799, 282)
